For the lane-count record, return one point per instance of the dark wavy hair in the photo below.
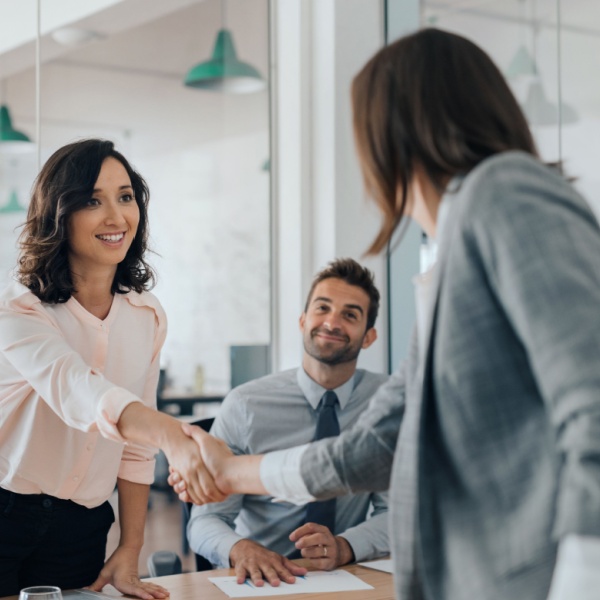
(352, 273)
(65, 185)
(431, 99)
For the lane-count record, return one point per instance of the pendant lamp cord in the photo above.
(559, 75)
(37, 88)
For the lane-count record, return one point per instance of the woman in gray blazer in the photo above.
(489, 433)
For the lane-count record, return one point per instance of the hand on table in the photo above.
(213, 452)
(191, 474)
(121, 571)
(324, 550)
(251, 560)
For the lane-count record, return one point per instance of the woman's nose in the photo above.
(114, 214)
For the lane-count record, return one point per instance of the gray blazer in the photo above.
(499, 448)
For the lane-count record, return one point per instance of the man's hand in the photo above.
(251, 560)
(213, 452)
(324, 550)
(121, 570)
(185, 456)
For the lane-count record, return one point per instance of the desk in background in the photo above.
(185, 403)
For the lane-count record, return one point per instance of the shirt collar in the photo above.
(313, 392)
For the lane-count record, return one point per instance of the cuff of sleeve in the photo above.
(281, 477)
(137, 471)
(112, 404)
(224, 547)
(360, 547)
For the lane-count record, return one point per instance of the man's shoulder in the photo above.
(369, 379)
(273, 381)
(274, 385)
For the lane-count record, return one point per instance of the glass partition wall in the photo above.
(549, 51)
(116, 70)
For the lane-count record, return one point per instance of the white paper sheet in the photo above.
(312, 582)
(380, 565)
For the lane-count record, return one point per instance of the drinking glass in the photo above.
(41, 592)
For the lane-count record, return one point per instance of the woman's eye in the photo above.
(127, 198)
(93, 202)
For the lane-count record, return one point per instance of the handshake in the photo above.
(202, 467)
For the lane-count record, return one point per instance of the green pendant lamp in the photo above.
(12, 206)
(224, 72)
(11, 140)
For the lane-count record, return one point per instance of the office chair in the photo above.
(165, 562)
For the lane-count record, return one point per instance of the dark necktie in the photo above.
(323, 512)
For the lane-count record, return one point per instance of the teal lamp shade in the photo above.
(12, 206)
(12, 140)
(522, 64)
(224, 72)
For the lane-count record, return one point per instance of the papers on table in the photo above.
(380, 565)
(312, 582)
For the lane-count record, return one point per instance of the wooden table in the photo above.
(196, 586)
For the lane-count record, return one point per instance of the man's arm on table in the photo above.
(211, 532)
(365, 541)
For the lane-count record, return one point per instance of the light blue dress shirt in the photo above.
(275, 412)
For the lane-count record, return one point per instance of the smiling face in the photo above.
(101, 233)
(334, 326)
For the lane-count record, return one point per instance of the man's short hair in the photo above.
(352, 273)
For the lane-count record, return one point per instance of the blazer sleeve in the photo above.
(539, 244)
(359, 459)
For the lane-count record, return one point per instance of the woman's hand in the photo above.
(121, 571)
(214, 453)
(187, 457)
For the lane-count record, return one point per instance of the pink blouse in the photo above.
(65, 378)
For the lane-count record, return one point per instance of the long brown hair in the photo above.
(65, 185)
(432, 99)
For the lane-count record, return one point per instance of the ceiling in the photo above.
(130, 76)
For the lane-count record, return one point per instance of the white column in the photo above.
(320, 210)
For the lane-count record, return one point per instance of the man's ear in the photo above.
(302, 320)
(370, 337)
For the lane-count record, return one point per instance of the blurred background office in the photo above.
(237, 113)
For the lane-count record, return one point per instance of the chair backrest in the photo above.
(202, 564)
(205, 424)
(163, 562)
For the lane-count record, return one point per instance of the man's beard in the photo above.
(332, 357)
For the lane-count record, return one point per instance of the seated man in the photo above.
(326, 394)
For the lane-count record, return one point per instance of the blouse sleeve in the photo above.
(33, 344)
(137, 462)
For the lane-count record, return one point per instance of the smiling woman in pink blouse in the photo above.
(80, 338)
